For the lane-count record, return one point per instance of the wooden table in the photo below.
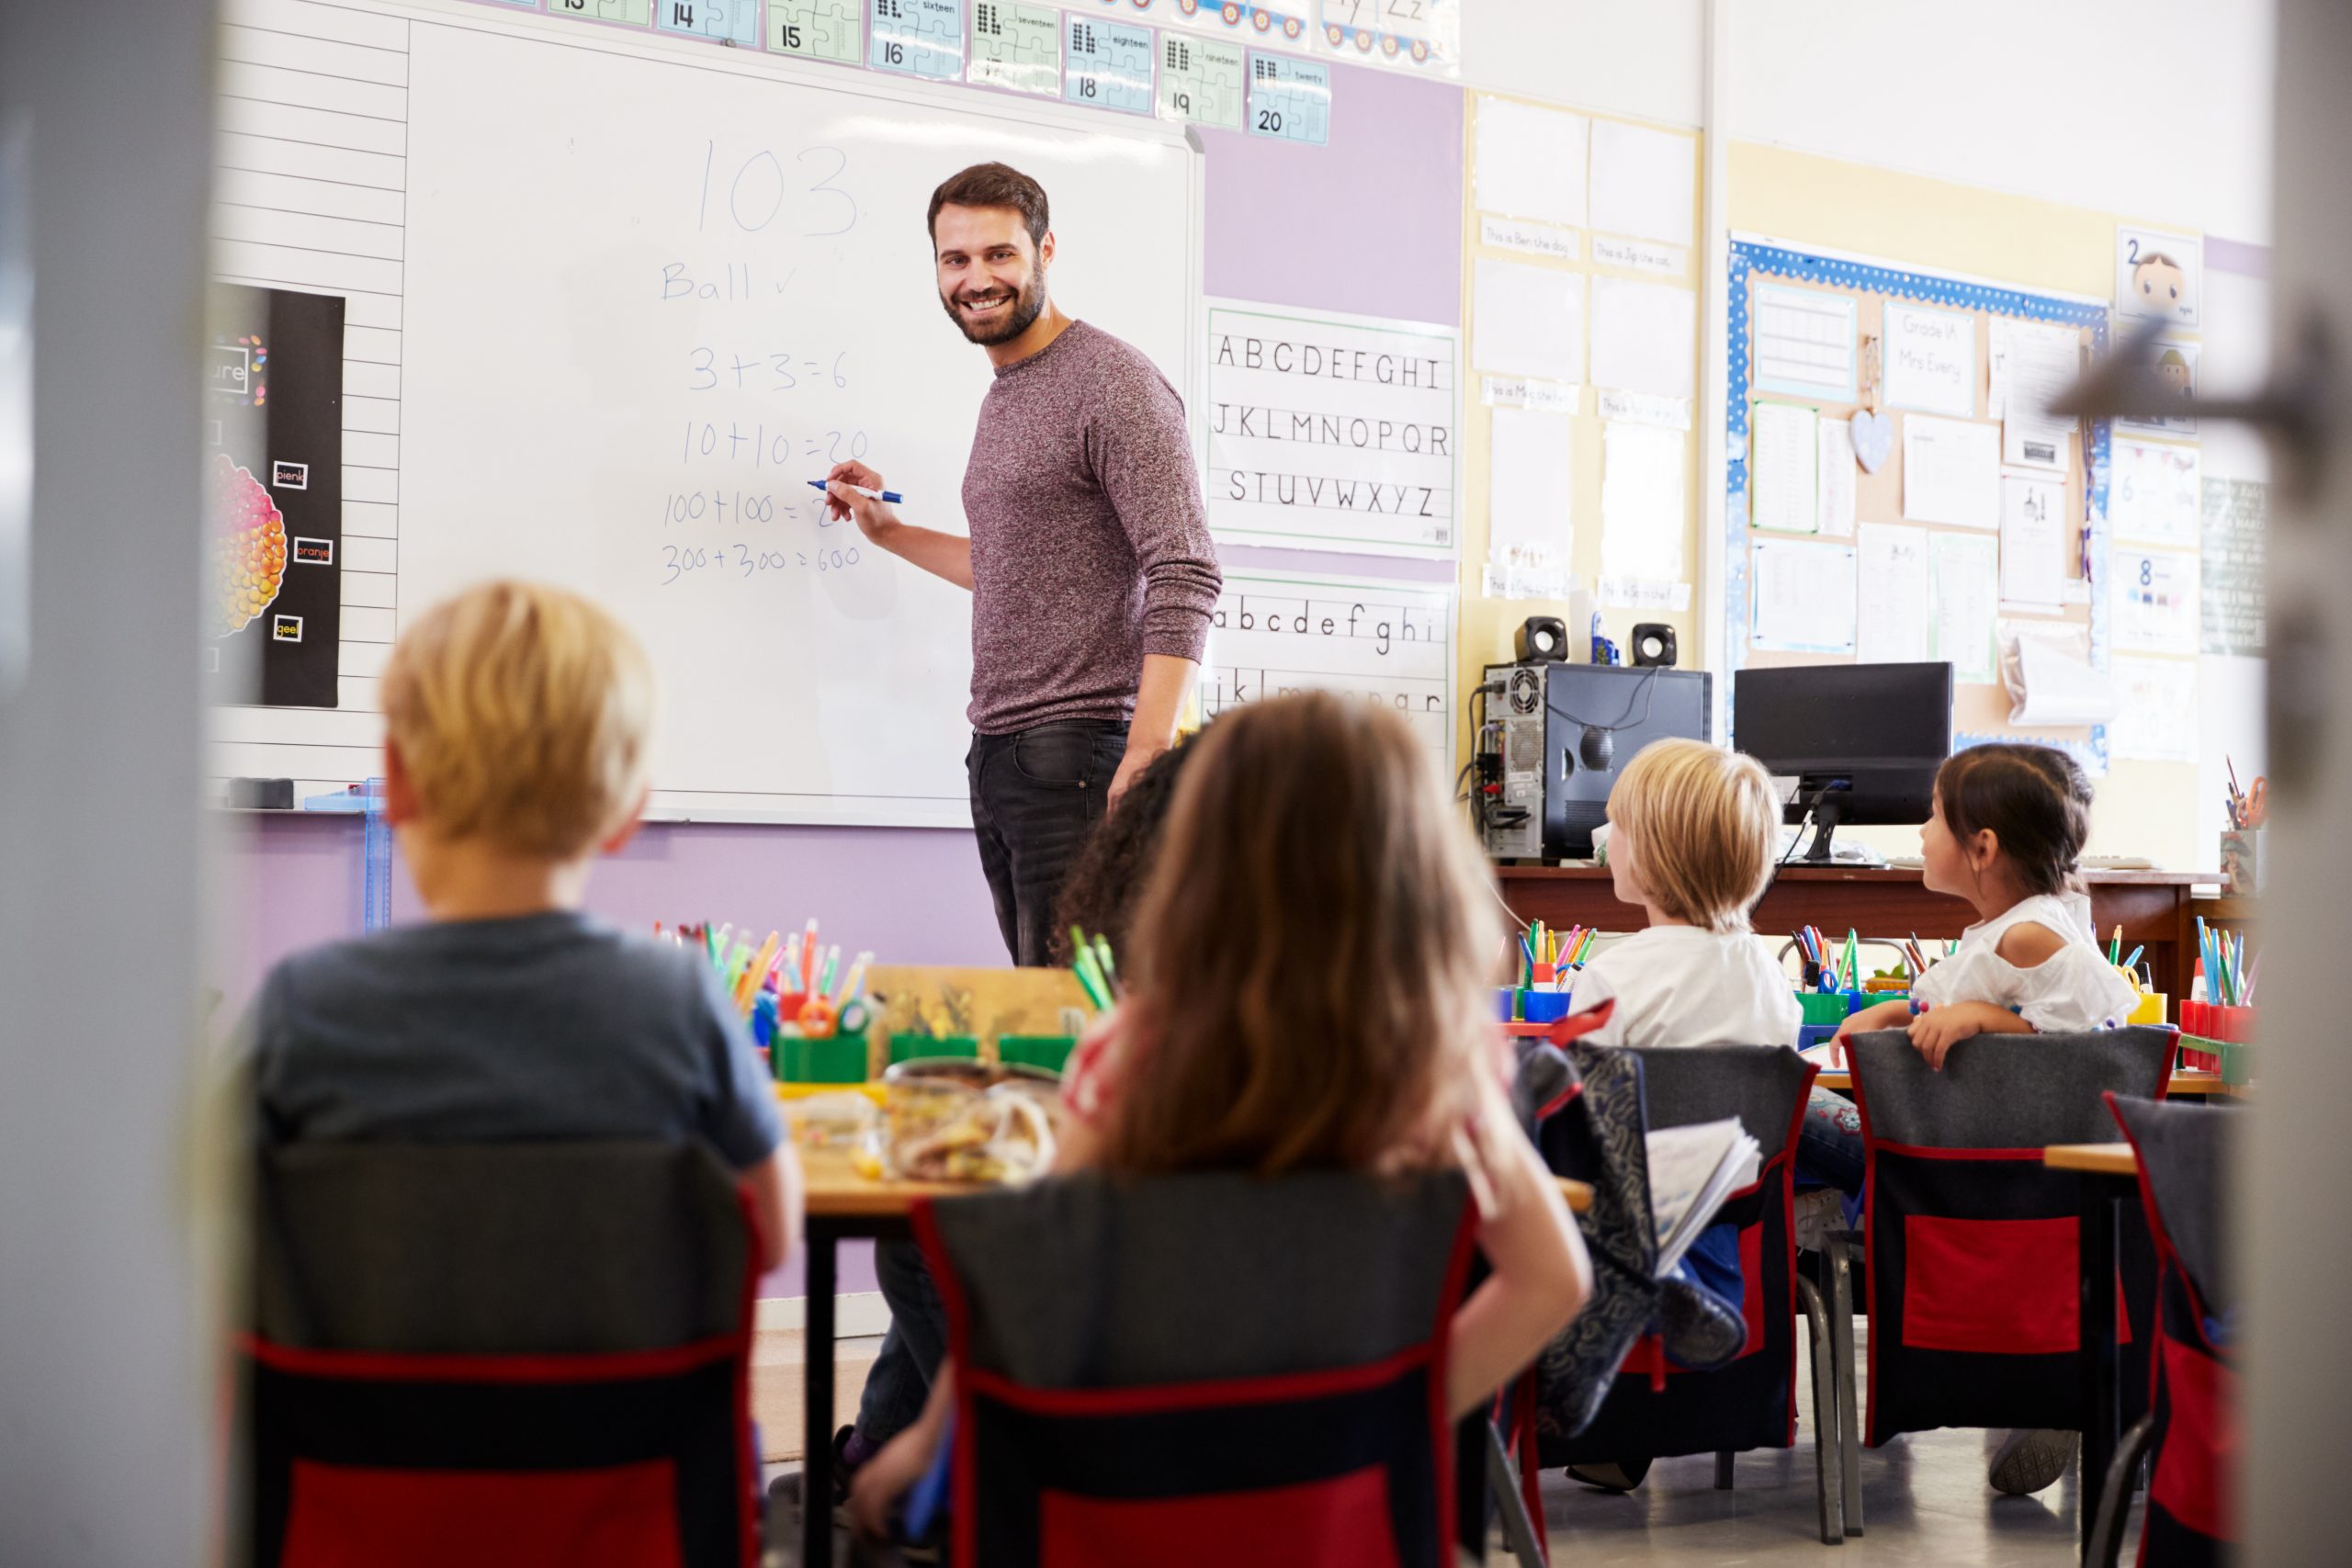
(2153, 907)
(840, 1205)
(844, 1205)
(2111, 1175)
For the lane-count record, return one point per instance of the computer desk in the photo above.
(2153, 907)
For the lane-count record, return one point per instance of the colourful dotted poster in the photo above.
(1016, 45)
(738, 20)
(1290, 99)
(1110, 66)
(1200, 80)
(919, 38)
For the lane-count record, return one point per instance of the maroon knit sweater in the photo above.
(1090, 548)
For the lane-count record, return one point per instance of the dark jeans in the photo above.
(1035, 797)
(912, 1350)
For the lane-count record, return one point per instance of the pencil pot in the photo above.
(918, 1047)
(2237, 1025)
(1048, 1051)
(834, 1059)
(2242, 862)
(1822, 1006)
(1542, 1007)
(2150, 1009)
(1507, 1004)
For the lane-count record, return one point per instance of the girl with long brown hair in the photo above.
(1311, 970)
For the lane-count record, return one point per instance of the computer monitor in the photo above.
(1862, 742)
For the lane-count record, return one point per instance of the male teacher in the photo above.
(1091, 572)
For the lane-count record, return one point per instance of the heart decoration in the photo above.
(1874, 438)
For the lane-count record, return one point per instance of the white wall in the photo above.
(2156, 109)
(1631, 57)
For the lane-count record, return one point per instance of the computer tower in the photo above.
(1554, 742)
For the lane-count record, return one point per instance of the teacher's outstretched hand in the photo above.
(941, 555)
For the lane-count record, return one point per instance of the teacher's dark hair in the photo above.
(992, 185)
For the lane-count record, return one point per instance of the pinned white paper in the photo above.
(1644, 182)
(2153, 495)
(1644, 336)
(2033, 552)
(1530, 492)
(1963, 577)
(1642, 508)
(1804, 342)
(1781, 476)
(1952, 472)
(1525, 234)
(2048, 671)
(1645, 408)
(2153, 596)
(1835, 478)
(1930, 360)
(2155, 718)
(1896, 610)
(1800, 596)
(2032, 364)
(1529, 321)
(1530, 162)
(1640, 255)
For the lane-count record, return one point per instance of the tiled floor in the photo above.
(1924, 1495)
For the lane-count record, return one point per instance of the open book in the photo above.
(1692, 1169)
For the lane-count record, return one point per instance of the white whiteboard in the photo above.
(556, 411)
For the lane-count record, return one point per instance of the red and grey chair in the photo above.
(1973, 1268)
(1150, 1371)
(515, 1355)
(1655, 1409)
(2191, 1428)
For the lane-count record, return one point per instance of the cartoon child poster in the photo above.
(2177, 374)
(2159, 275)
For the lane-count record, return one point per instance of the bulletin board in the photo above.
(1870, 287)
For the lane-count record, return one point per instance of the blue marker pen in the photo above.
(892, 496)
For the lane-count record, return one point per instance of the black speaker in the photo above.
(1541, 639)
(1652, 646)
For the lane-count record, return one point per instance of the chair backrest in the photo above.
(1152, 1368)
(1978, 1099)
(1656, 1408)
(2184, 1154)
(553, 1247)
(1974, 1252)
(2185, 1151)
(458, 1354)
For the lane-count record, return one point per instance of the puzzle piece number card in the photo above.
(815, 30)
(1017, 46)
(735, 20)
(916, 37)
(1110, 66)
(1290, 99)
(1200, 80)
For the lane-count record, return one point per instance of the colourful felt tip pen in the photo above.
(892, 496)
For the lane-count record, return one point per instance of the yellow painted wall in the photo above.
(1486, 625)
(2144, 808)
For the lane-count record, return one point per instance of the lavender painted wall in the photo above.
(914, 895)
(1371, 224)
